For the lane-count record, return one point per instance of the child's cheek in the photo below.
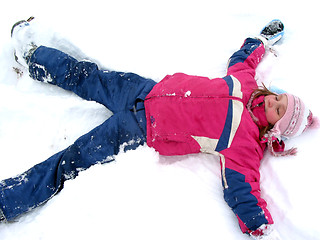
(271, 117)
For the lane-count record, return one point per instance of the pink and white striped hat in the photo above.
(295, 121)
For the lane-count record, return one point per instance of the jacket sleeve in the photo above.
(243, 63)
(242, 193)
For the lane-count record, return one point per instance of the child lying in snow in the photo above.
(230, 117)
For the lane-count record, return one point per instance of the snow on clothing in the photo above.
(183, 114)
(190, 114)
(122, 93)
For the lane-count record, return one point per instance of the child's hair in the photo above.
(263, 91)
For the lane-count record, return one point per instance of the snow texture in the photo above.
(143, 195)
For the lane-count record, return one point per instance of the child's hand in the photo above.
(273, 32)
(272, 235)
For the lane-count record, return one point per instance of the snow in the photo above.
(143, 195)
(187, 94)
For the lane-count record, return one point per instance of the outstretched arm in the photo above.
(243, 63)
(242, 194)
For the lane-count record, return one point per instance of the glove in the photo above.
(273, 31)
(271, 34)
(265, 232)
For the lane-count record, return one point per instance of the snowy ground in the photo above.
(143, 195)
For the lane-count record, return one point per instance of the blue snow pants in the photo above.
(122, 93)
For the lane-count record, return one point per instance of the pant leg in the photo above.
(122, 93)
(116, 90)
(40, 183)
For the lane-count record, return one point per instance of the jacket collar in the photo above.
(258, 110)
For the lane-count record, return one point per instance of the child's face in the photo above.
(275, 107)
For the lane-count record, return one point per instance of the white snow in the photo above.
(143, 195)
(187, 94)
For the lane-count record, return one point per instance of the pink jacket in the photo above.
(192, 114)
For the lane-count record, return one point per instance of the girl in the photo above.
(229, 117)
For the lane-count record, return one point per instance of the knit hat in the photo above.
(295, 121)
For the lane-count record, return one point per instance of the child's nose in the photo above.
(271, 102)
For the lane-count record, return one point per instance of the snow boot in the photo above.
(23, 42)
(273, 31)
